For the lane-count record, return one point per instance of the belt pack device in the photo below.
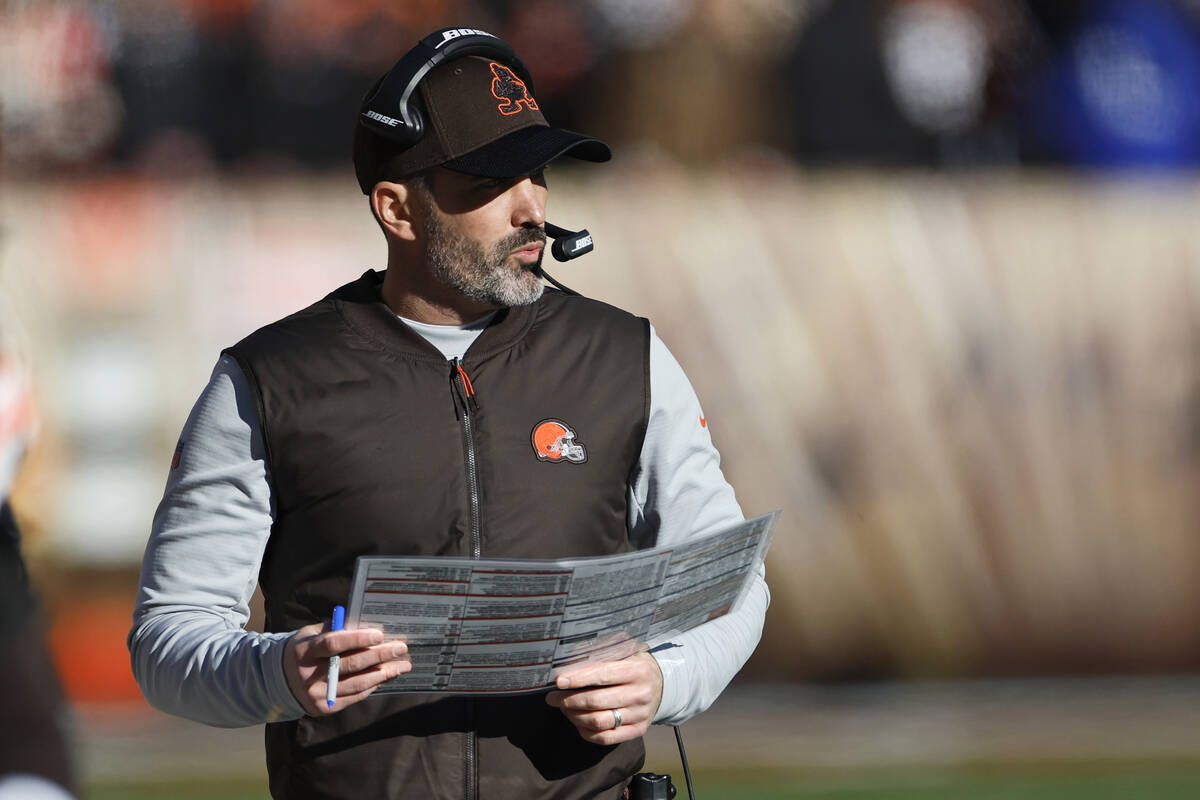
(653, 786)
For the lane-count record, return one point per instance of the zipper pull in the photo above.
(456, 391)
(463, 386)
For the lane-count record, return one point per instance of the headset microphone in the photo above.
(568, 244)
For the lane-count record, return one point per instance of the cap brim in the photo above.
(528, 150)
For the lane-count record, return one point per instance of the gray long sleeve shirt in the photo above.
(191, 653)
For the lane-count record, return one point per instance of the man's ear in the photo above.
(393, 206)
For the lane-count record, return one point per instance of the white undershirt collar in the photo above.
(451, 340)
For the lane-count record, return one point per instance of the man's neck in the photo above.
(434, 305)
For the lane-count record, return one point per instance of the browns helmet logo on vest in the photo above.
(511, 90)
(554, 440)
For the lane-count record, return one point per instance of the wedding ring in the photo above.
(616, 718)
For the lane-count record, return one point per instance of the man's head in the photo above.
(467, 198)
(473, 111)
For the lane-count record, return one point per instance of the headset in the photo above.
(391, 114)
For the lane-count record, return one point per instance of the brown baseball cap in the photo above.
(480, 118)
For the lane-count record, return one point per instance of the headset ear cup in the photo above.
(402, 134)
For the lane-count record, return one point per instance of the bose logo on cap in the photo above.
(582, 243)
(386, 120)
(454, 33)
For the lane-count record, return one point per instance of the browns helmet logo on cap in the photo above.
(553, 440)
(511, 90)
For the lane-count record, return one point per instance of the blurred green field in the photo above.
(1099, 738)
(1104, 783)
(1158, 783)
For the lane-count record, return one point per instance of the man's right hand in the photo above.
(366, 662)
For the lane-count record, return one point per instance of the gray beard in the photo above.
(461, 263)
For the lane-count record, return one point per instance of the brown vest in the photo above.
(374, 448)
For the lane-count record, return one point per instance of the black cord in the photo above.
(561, 288)
(687, 773)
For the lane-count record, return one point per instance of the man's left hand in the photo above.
(589, 696)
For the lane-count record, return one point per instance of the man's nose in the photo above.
(529, 204)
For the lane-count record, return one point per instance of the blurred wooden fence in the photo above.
(976, 397)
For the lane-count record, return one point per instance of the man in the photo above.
(397, 417)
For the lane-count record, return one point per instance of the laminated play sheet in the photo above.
(506, 626)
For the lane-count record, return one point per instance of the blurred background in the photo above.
(931, 265)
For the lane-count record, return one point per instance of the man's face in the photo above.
(483, 236)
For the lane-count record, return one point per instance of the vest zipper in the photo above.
(470, 778)
(464, 393)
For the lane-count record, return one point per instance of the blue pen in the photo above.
(335, 662)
